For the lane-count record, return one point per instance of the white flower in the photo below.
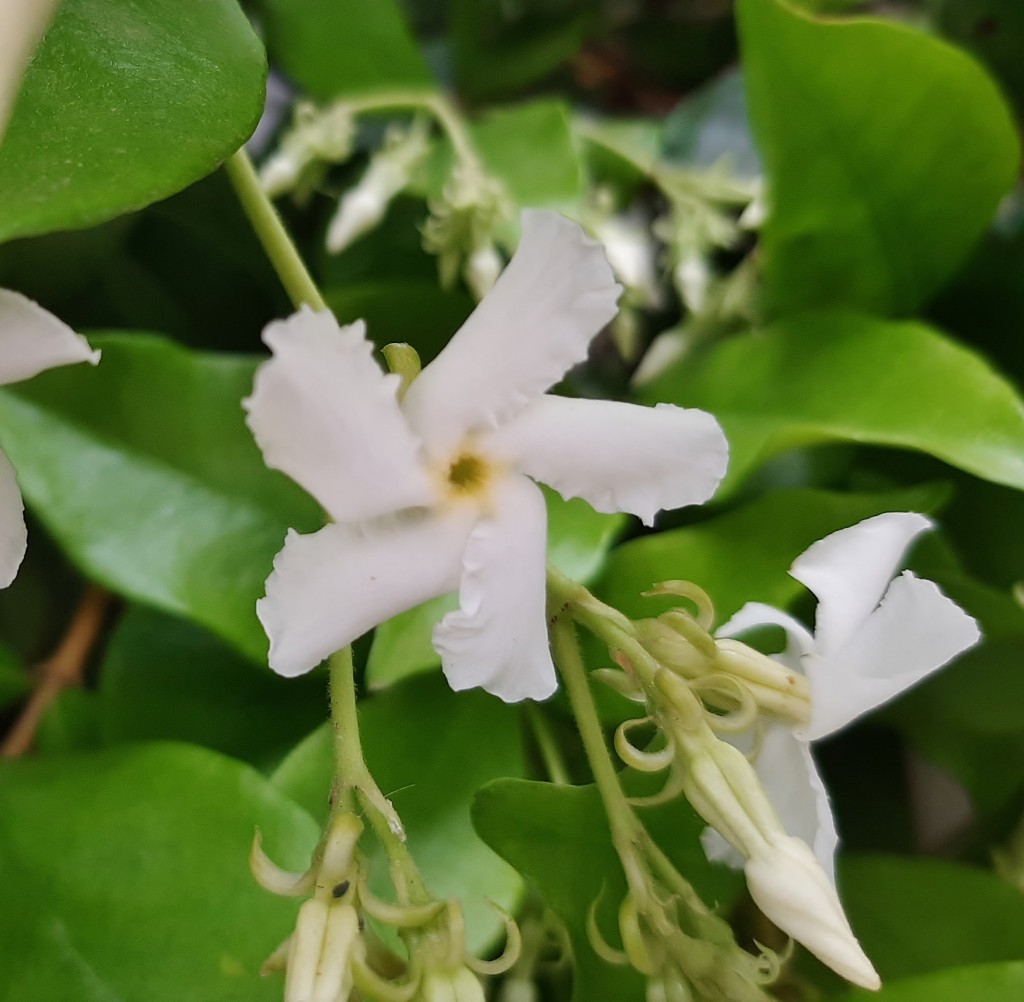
(22, 24)
(435, 494)
(874, 637)
(31, 341)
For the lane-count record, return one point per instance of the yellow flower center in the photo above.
(467, 474)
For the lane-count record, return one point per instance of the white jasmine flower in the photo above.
(874, 637)
(434, 493)
(22, 24)
(31, 341)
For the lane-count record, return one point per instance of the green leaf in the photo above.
(125, 104)
(990, 982)
(126, 876)
(509, 140)
(163, 678)
(579, 538)
(744, 556)
(558, 837)
(834, 376)
(914, 916)
(880, 181)
(429, 749)
(145, 473)
(14, 682)
(344, 47)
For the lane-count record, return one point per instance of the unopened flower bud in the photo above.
(459, 985)
(788, 884)
(482, 269)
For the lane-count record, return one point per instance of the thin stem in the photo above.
(357, 783)
(625, 827)
(554, 762)
(272, 234)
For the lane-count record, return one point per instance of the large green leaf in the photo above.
(984, 983)
(744, 556)
(834, 376)
(125, 876)
(144, 471)
(124, 104)
(914, 916)
(558, 837)
(166, 679)
(429, 749)
(886, 151)
(339, 47)
(579, 538)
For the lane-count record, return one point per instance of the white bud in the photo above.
(788, 884)
(482, 269)
(359, 211)
(692, 279)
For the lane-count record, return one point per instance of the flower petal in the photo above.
(790, 777)
(33, 339)
(616, 456)
(537, 322)
(756, 614)
(325, 414)
(498, 638)
(915, 631)
(13, 535)
(22, 24)
(850, 569)
(330, 587)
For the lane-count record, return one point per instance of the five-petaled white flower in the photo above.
(875, 636)
(31, 341)
(434, 494)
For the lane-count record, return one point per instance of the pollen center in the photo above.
(467, 474)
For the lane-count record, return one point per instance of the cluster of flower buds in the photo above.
(389, 172)
(462, 226)
(316, 138)
(332, 955)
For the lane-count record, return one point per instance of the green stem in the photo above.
(625, 827)
(356, 783)
(273, 236)
(549, 750)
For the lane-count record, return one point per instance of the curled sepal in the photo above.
(338, 850)
(641, 761)
(509, 956)
(278, 960)
(372, 986)
(672, 788)
(633, 939)
(271, 877)
(727, 693)
(701, 600)
(397, 916)
(598, 943)
(625, 685)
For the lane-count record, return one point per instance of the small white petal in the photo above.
(799, 641)
(915, 631)
(33, 339)
(13, 535)
(616, 456)
(790, 777)
(22, 24)
(850, 569)
(330, 587)
(787, 884)
(325, 414)
(537, 322)
(498, 639)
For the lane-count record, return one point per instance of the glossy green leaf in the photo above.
(914, 916)
(125, 104)
(558, 837)
(829, 377)
(163, 678)
(984, 983)
(126, 876)
(881, 180)
(744, 556)
(429, 749)
(341, 47)
(142, 468)
(579, 539)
